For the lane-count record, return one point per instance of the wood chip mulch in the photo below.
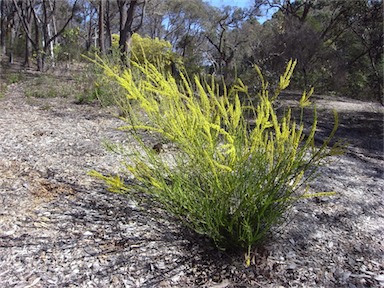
(61, 228)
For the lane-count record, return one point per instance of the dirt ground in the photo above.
(61, 228)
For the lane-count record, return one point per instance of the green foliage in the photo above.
(232, 177)
(3, 89)
(47, 86)
(104, 89)
(96, 87)
(12, 78)
(155, 51)
(68, 49)
(86, 87)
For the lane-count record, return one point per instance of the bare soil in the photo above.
(61, 228)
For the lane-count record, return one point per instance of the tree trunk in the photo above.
(54, 32)
(27, 52)
(123, 45)
(36, 44)
(108, 26)
(51, 53)
(101, 26)
(89, 36)
(2, 29)
(127, 27)
(11, 42)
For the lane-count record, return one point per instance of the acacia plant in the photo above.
(143, 49)
(156, 51)
(235, 169)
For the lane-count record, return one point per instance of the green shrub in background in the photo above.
(236, 169)
(3, 89)
(103, 89)
(97, 87)
(13, 78)
(155, 51)
(49, 86)
(69, 49)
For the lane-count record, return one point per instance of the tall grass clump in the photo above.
(236, 169)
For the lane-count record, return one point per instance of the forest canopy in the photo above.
(337, 44)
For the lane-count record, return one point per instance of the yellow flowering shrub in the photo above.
(236, 169)
(156, 51)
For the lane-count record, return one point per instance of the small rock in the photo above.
(160, 265)
(164, 283)
(223, 284)
(291, 254)
(291, 266)
(346, 275)
(379, 278)
(87, 233)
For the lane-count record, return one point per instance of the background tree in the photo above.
(101, 26)
(7, 22)
(225, 36)
(131, 14)
(43, 13)
(331, 40)
(338, 44)
(88, 23)
(9, 28)
(153, 20)
(186, 23)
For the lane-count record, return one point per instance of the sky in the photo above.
(242, 4)
(239, 3)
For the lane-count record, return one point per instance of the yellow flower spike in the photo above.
(319, 194)
(304, 102)
(140, 127)
(186, 85)
(237, 113)
(205, 104)
(276, 125)
(156, 183)
(263, 83)
(286, 78)
(114, 183)
(312, 195)
(247, 258)
(130, 168)
(241, 87)
(223, 167)
(207, 129)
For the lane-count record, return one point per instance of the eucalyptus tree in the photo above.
(8, 28)
(363, 46)
(131, 15)
(2, 28)
(44, 32)
(111, 22)
(107, 10)
(88, 16)
(226, 36)
(338, 43)
(153, 22)
(101, 26)
(183, 24)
